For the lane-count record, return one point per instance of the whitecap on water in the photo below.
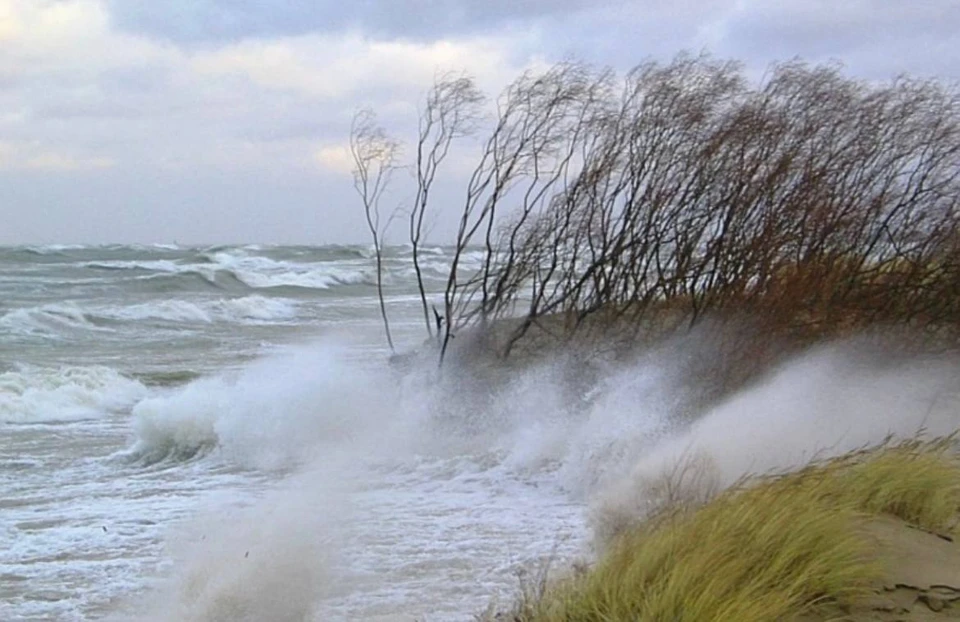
(50, 319)
(43, 395)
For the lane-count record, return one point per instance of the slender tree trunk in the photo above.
(420, 288)
(383, 306)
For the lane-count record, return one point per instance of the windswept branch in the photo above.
(374, 156)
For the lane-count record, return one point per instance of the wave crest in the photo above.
(254, 271)
(50, 320)
(275, 413)
(48, 395)
(248, 309)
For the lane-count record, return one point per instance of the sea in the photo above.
(215, 433)
(218, 434)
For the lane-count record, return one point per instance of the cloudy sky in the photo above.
(209, 121)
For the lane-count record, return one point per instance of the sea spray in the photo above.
(827, 402)
(401, 479)
(271, 561)
(276, 413)
(422, 492)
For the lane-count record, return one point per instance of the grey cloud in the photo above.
(875, 38)
(204, 157)
(213, 20)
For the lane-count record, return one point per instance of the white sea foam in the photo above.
(263, 272)
(41, 395)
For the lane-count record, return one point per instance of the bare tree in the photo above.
(374, 156)
(451, 111)
(529, 143)
(816, 202)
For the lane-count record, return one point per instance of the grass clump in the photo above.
(914, 481)
(768, 549)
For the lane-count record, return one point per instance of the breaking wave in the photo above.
(273, 414)
(49, 319)
(152, 265)
(281, 408)
(470, 473)
(48, 395)
(254, 271)
(157, 267)
(262, 272)
(248, 309)
(54, 320)
(52, 249)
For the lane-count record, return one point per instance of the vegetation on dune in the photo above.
(769, 549)
(813, 201)
(913, 481)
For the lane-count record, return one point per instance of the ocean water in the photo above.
(210, 434)
(213, 434)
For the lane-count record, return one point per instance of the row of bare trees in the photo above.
(681, 189)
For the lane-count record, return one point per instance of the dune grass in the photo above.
(771, 548)
(916, 481)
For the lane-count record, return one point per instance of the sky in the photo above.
(219, 121)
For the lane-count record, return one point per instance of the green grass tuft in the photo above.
(913, 481)
(770, 549)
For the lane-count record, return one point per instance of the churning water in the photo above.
(213, 434)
